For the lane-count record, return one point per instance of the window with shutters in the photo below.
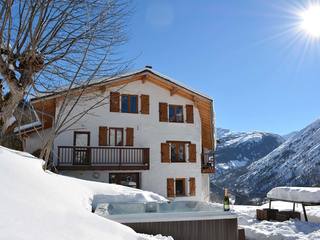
(175, 113)
(129, 103)
(116, 136)
(178, 187)
(178, 151)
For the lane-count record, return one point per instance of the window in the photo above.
(125, 179)
(116, 137)
(175, 113)
(81, 139)
(180, 187)
(129, 103)
(177, 150)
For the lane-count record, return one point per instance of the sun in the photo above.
(310, 20)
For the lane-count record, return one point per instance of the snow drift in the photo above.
(35, 204)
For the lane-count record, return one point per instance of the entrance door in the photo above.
(125, 179)
(82, 151)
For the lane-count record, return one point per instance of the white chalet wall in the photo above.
(148, 132)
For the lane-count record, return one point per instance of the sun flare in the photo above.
(310, 20)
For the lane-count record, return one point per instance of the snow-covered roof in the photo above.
(102, 81)
(296, 194)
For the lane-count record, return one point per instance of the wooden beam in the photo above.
(196, 101)
(173, 91)
(102, 88)
(144, 78)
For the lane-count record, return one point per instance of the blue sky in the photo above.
(248, 55)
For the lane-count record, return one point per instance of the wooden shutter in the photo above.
(114, 102)
(192, 153)
(165, 152)
(129, 137)
(189, 109)
(192, 186)
(144, 104)
(170, 187)
(163, 112)
(103, 133)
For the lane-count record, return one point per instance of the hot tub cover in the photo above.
(296, 194)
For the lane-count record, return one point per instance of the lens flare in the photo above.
(310, 20)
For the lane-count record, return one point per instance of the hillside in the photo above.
(35, 204)
(235, 151)
(295, 163)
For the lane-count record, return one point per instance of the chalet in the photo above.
(152, 133)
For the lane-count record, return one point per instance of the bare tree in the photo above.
(50, 44)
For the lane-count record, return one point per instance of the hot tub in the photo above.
(185, 220)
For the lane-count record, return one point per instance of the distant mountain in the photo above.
(290, 135)
(295, 163)
(222, 132)
(235, 151)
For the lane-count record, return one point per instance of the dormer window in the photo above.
(129, 103)
(175, 113)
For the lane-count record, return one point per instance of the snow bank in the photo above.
(270, 230)
(298, 194)
(35, 204)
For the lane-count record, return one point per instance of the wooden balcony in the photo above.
(103, 158)
(207, 163)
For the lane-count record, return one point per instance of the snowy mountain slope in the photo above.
(35, 204)
(289, 135)
(235, 151)
(295, 163)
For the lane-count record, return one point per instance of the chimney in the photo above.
(148, 66)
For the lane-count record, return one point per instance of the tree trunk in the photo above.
(7, 112)
(46, 151)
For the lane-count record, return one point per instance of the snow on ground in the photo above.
(35, 204)
(271, 230)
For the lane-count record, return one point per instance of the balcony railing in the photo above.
(207, 163)
(103, 158)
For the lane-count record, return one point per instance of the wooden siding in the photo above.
(145, 104)
(114, 102)
(170, 187)
(192, 186)
(103, 136)
(46, 110)
(219, 229)
(192, 153)
(163, 112)
(165, 152)
(189, 111)
(129, 136)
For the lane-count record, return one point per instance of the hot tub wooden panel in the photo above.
(213, 229)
